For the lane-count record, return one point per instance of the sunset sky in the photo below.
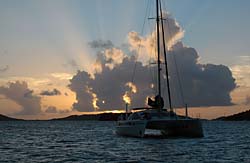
(51, 62)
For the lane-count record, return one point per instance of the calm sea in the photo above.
(85, 141)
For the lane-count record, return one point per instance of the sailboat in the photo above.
(156, 117)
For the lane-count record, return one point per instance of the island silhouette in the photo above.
(242, 116)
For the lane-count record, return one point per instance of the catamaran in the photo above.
(155, 116)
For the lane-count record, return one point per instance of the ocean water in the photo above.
(90, 141)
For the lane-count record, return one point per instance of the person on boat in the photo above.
(157, 103)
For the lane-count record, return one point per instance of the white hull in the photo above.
(134, 128)
(167, 125)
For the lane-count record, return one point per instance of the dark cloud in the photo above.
(54, 92)
(80, 85)
(22, 95)
(111, 84)
(4, 69)
(100, 44)
(203, 84)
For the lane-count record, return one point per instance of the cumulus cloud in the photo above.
(109, 86)
(173, 31)
(112, 85)
(241, 71)
(146, 46)
(203, 84)
(20, 93)
(84, 97)
(113, 57)
(54, 92)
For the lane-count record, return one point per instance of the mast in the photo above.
(158, 48)
(158, 99)
(165, 59)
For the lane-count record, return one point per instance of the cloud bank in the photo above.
(30, 103)
(203, 85)
(22, 95)
(111, 85)
(54, 92)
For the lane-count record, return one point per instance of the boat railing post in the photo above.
(126, 111)
(186, 109)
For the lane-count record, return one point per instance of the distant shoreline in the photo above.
(243, 116)
(84, 117)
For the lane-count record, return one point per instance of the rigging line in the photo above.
(166, 64)
(153, 59)
(164, 88)
(142, 31)
(179, 80)
(153, 51)
(155, 81)
(164, 7)
(177, 70)
(151, 64)
(175, 62)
